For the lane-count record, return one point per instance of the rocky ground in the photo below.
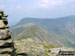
(31, 48)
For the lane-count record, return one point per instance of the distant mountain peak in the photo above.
(63, 28)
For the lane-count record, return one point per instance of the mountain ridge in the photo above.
(33, 31)
(63, 28)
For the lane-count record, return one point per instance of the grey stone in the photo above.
(6, 50)
(5, 55)
(5, 15)
(0, 14)
(6, 41)
(2, 25)
(4, 33)
(1, 11)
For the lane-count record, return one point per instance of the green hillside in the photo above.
(63, 28)
(35, 32)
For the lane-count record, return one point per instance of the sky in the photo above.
(18, 9)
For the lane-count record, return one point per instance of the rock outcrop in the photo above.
(6, 41)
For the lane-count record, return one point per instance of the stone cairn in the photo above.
(6, 41)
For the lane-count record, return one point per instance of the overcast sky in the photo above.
(18, 9)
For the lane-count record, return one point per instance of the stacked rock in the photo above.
(6, 41)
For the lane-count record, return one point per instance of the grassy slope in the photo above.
(62, 28)
(35, 32)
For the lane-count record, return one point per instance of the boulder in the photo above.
(0, 14)
(1, 11)
(6, 51)
(6, 42)
(4, 33)
(5, 15)
(2, 25)
(5, 55)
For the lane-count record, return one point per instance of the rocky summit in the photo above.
(6, 41)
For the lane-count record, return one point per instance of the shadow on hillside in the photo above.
(21, 54)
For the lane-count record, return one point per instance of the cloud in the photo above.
(34, 4)
(53, 3)
(11, 0)
(44, 3)
(49, 3)
(2, 6)
(17, 7)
